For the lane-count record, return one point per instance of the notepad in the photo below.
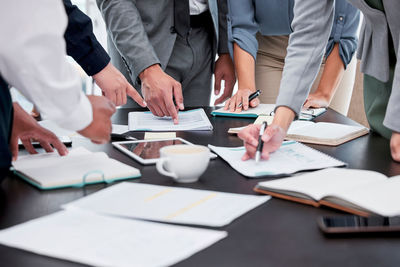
(267, 109)
(191, 120)
(356, 191)
(290, 158)
(324, 133)
(168, 204)
(78, 168)
(108, 241)
(260, 119)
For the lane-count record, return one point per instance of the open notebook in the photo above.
(290, 158)
(324, 133)
(356, 191)
(190, 120)
(78, 168)
(267, 109)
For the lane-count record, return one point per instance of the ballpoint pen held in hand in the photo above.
(251, 97)
(260, 145)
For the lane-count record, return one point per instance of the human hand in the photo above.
(100, 129)
(317, 100)
(395, 146)
(241, 96)
(158, 90)
(27, 129)
(115, 86)
(224, 70)
(272, 138)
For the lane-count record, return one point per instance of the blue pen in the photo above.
(260, 145)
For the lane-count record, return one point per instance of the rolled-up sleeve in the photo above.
(242, 26)
(344, 31)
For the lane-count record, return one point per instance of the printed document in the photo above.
(108, 241)
(191, 120)
(169, 204)
(291, 157)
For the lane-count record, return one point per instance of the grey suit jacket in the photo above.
(311, 26)
(140, 32)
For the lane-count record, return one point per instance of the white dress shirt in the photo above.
(33, 60)
(197, 6)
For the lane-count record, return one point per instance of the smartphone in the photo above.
(358, 224)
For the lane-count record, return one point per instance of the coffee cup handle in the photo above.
(160, 168)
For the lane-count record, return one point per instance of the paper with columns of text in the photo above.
(169, 204)
(108, 241)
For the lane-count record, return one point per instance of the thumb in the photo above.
(135, 95)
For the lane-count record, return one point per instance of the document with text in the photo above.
(169, 204)
(108, 241)
(191, 120)
(291, 157)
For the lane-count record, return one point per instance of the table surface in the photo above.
(277, 233)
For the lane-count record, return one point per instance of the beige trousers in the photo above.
(269, 67)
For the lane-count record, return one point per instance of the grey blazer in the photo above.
(311, 26)
(140, 32)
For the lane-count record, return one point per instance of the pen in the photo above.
(251, 97)
(121, 137)
(260, 145)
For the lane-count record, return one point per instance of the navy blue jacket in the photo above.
(82, 45)
(6, 116)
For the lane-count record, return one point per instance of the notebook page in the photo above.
(326, 182)
(188, 120)
(169, 204)
(325, 130)
(291, 157)
(380, 197)
(106, 241)
(266, 109)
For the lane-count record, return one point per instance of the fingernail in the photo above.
(144, 104)
(217, 92)
(181, 106)
(175, 121)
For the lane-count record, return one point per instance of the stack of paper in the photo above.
(169, 204)
(291, 157)
(190, 120)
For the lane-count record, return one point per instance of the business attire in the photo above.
(379, 50)
(6, 117)
(33, 61)
(146, 32)
(262, 29)
(81, 42)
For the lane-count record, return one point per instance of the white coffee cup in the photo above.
(184, 163)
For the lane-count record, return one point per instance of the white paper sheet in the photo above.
(107, 241)
(57, 130)
(195, 119)
(291, 157)
(119, 128)
(169, 204)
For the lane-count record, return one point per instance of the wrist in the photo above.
(283, 117)
(149, 71)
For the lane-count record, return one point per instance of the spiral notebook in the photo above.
(290, 158)
(78, 168)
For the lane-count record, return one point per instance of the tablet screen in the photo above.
(149, 149)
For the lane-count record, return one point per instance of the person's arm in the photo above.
(341, 47)
(83, 46)
(330, 79)
(34, 61)
(126, 28)
(311, 26)
(224, 69)
(243, 45)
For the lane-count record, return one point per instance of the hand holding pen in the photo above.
(242, 100)
(260, 145)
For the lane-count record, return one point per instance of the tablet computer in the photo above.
(148, 151)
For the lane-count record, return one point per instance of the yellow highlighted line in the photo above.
(158, 195)
(179, 212)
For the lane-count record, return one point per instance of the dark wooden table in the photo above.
(277, 233)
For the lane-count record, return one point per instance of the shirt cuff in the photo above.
(95, 61)
(80, 118)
